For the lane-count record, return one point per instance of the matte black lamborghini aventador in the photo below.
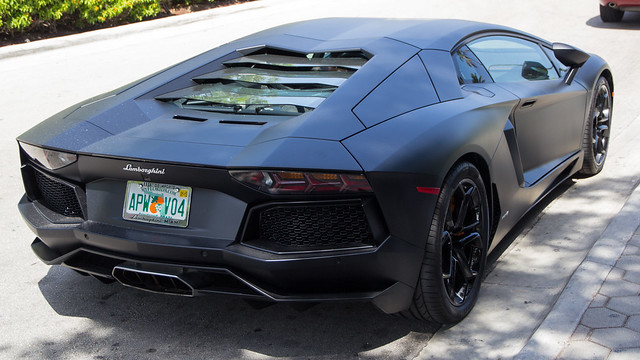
(328, 160)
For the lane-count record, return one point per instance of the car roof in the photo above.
(438, 34)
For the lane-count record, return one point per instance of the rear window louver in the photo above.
(269, 82)
(287, 63)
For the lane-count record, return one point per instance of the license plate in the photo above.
(154, 203)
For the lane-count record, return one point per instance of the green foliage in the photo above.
(26, 15)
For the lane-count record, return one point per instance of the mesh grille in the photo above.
(57, 196)
(320, 226)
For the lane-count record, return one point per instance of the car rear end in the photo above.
(186, 191)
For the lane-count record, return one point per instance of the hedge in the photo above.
(17, 16)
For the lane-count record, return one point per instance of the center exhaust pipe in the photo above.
(155, 281)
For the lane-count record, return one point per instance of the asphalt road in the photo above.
(53, 313)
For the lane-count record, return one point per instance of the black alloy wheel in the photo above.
(462, 248)
(456, 250)
(597, 129)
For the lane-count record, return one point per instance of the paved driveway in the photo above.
(53, 313)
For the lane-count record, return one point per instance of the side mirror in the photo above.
(571, 57)
(533, 70)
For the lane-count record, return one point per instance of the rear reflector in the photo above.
(428, 190)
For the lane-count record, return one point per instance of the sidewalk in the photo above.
(528, 312)
(607, 326)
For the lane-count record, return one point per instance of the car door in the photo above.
(548, 120)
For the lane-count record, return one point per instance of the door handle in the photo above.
(528, 103)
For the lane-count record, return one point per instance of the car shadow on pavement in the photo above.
(529, 269)
(126, 323)
(630, 21)
(527, 221)
(129, 323)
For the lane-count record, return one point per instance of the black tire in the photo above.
(446, 291)
(608, 14)
(595, 143)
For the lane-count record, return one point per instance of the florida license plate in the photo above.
(157, 203)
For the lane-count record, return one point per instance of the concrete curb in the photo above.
(554, 333)
(123, 30)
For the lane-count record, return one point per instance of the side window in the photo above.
(513, 59)
(470, 70)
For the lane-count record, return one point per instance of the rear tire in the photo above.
(608, 14)
(595, 143)
(456, 250)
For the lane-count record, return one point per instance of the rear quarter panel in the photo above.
(420, 147)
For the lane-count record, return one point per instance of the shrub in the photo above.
(27, 15)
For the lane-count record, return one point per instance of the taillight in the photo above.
(51, 159)
(296, 182)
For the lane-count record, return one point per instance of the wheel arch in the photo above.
(607, 75)
(494, 204)
(591, 71)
